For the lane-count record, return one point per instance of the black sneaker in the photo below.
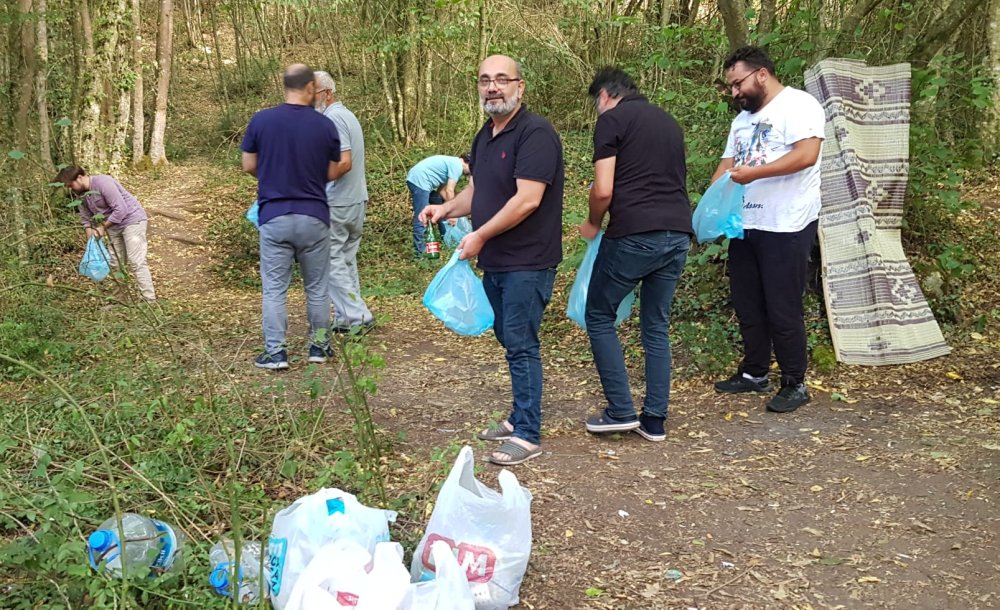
(789, 398)
(604, 423)
(739, 383)
(358, 330)
(651, 428)
(272, 361)
(319, 353)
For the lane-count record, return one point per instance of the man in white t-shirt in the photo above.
(774, 149)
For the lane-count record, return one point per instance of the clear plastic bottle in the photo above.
(221, 558)
(148, 545)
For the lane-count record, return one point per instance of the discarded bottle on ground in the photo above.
(248, 582)
(432, 244)
(149, 546)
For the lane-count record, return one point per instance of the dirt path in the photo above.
(886, 499)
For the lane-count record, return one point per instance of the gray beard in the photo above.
(321, 106)
(499, 107)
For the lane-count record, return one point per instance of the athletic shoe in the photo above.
(740, 383)
(605, 423)
(272, 361)
(789, 398)
(651, 428)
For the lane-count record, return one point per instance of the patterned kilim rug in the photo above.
(878, 314)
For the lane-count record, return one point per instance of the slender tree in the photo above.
(164, 57)
(41, 88)
(138, 102)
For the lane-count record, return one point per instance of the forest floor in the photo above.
(882, 492)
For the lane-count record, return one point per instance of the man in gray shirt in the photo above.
(347, 198)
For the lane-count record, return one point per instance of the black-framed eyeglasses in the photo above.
(737, 84)
(501, 81)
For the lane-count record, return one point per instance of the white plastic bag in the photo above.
(489, 532)
(313, 522)
(344, 575)
(448, 591)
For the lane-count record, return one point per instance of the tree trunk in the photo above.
(992, 130)
(845, 36)
(41, 89)
(765, 22)
(20, 224)
(941, 31)
(733, 18)
(27, 76)
(90, 119)
(164, 56)
(138, 98)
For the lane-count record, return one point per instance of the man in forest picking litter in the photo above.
(515, 196)
(640, 181)
(293, 151)
(124, 221)
(774, 148)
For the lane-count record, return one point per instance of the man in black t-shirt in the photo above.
(515, 197)
(640, 179)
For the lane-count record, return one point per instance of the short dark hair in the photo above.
(755, 57)
(613, 80)
(69, 174)
(297, 76)
(465, 157)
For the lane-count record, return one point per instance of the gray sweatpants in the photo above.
(283, 240)
(346, 223)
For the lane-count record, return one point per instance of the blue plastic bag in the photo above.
(253, 213)
(453, 234)
(576, 309)
(720, 211)
(96, 262)
(456, 297)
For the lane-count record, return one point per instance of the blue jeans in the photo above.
(656, 259)
(519, 299)
(421, 198)
(284, 240)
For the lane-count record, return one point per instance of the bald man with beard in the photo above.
(515, 197)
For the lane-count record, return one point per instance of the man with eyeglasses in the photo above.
(515, 196)
(774, 148)
(347, 198)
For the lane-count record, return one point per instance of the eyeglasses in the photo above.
(321, 91)
(739, 83)
(501, 81)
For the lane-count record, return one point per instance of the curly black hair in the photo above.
(754, 57)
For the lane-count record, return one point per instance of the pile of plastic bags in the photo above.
(329, 551)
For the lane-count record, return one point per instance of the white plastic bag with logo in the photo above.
(489, 533)
(313, 522)
(344, 575)
(448, 591)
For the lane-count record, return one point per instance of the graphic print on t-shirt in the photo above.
(754, 152)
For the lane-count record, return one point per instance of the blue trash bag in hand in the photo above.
(720, 211)
(456, 297)
(253, 213)
(454, 234)
(96, 262)
(576, 309)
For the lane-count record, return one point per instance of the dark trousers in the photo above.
(767, 276)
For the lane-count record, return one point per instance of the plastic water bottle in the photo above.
(148, 545)
(222, 556)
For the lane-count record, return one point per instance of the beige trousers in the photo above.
(131, 241)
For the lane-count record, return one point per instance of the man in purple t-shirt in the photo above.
(124, 221)
(293, 151)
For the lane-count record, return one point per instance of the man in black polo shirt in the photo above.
(515, 197)
(640, 178)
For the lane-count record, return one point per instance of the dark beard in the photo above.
(751, 104)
